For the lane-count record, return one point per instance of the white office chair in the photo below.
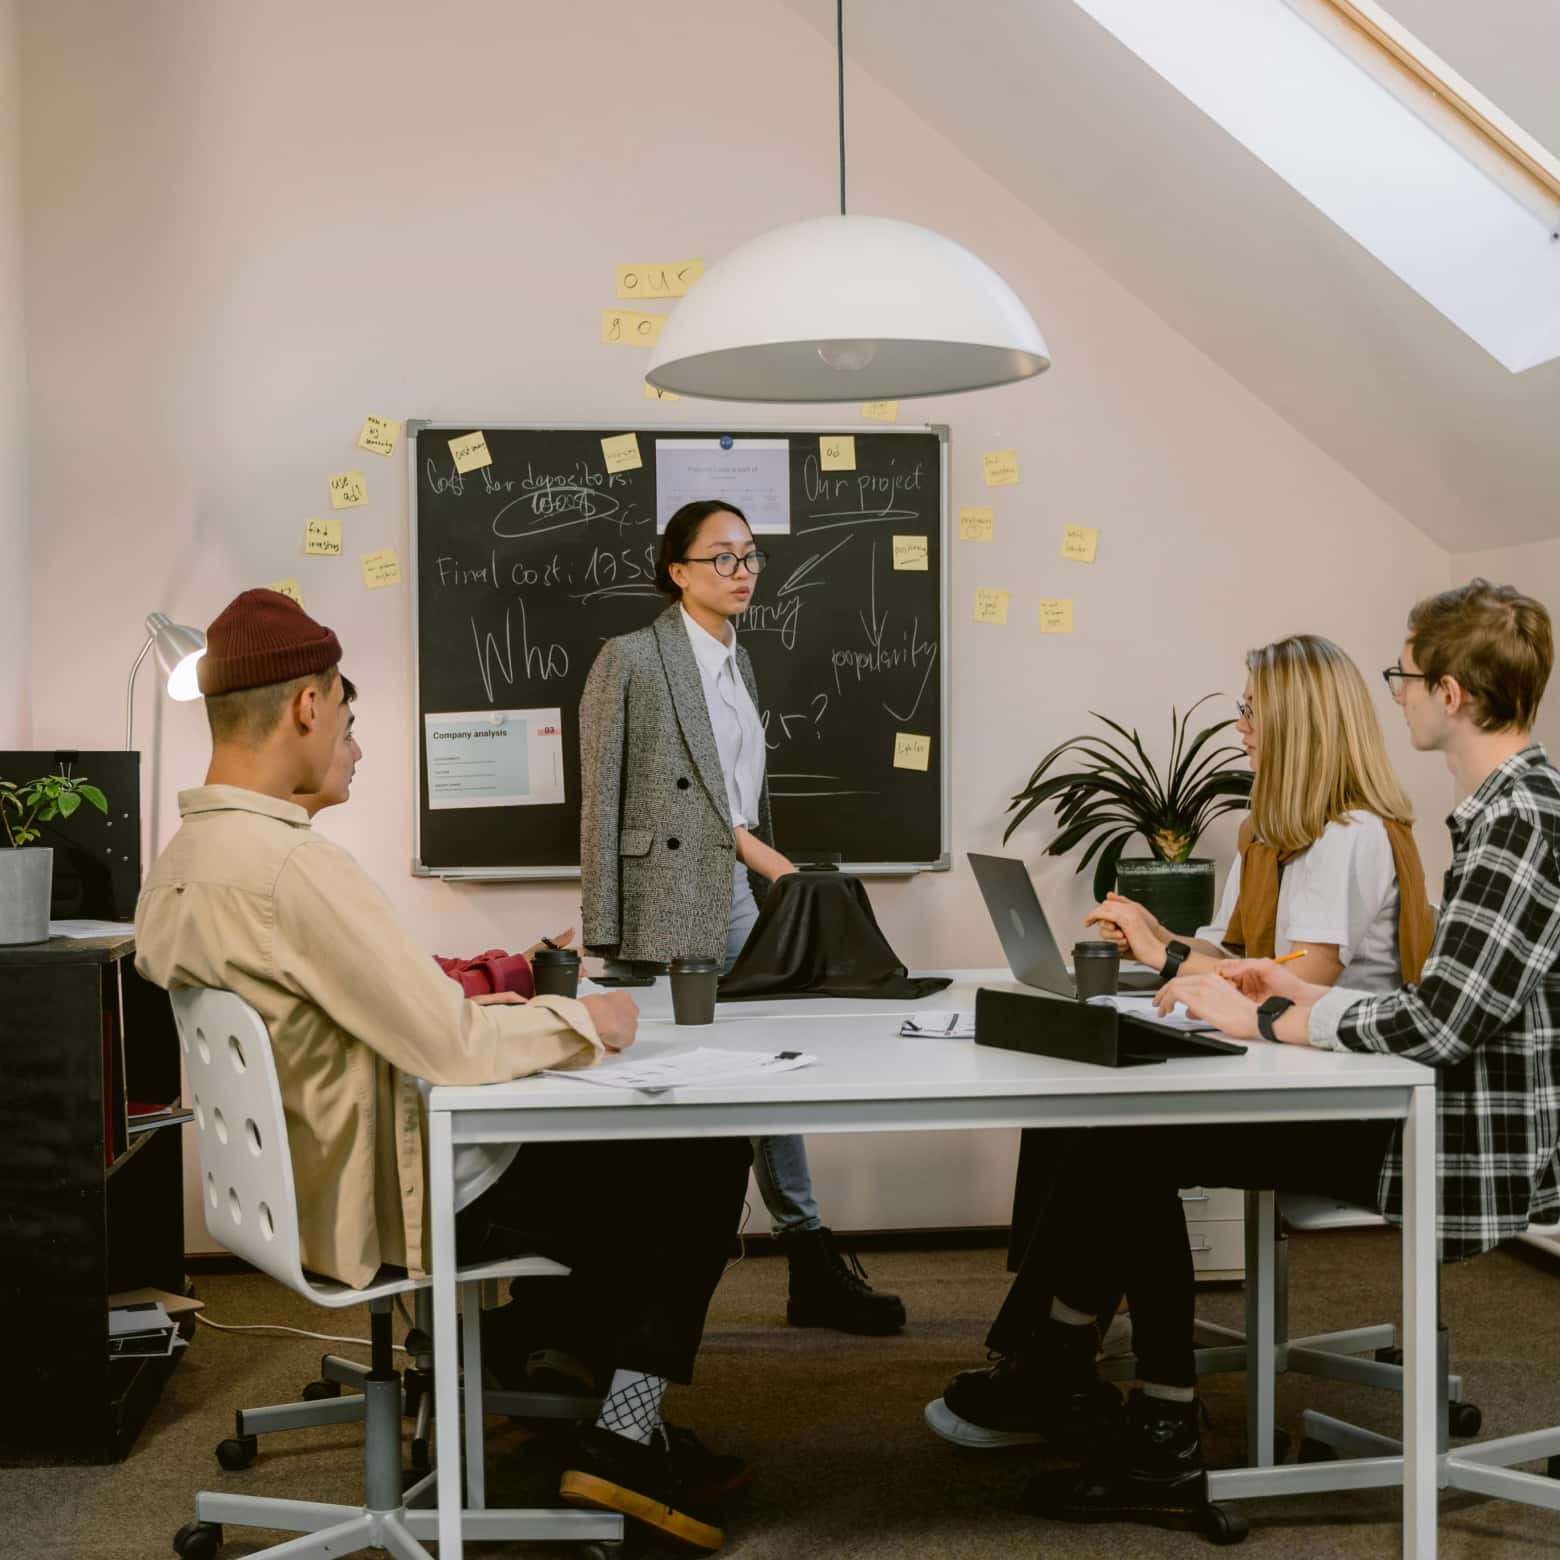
(1333, 1356)
(251, 1207)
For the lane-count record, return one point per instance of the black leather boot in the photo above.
(830, 1289)
(1153, 1472)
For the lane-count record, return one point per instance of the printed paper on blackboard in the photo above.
(494, 758)
(754, 474)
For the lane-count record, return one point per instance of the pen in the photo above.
(1296, 953)
(547, 942)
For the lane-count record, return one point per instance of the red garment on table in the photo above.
(492, 971)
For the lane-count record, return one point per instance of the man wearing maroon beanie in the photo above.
(247, 898)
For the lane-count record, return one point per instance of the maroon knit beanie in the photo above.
(263, 637)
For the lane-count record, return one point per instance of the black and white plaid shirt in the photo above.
(1485, 1014)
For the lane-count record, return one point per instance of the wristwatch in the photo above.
(1269, 1013)
(1176, 954)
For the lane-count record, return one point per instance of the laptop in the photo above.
(1025, 934)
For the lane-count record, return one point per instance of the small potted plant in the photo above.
(1118, 793)
(27, 868)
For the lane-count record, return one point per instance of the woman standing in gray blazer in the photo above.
(675, 830)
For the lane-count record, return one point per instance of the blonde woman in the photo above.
(1327, 859)
(1328, 864)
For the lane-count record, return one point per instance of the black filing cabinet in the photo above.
(86, 1208)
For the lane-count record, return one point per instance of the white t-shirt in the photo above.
(1342, 890)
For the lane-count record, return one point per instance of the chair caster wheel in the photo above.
(605, 1549)
(1389, 1356)
(1315, 1451)
(198, 1540)
(1464, 1419)
(237, 1452)
(1224, 1525)
(317, 1391)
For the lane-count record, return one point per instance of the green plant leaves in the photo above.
(42, 801)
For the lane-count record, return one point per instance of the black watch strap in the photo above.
(1269, 1012)
(1176, 954)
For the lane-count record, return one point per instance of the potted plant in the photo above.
(26, 868)
(1118, 793)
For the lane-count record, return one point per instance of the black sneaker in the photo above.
(643, 1480)
(1020, 1400)
(708, 1477)
(830, 1289)
(1151, 1472)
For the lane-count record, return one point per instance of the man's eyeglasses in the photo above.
(1395, 678)
(1245, 712)
(727, 563)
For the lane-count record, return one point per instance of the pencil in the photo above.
(1297, 953)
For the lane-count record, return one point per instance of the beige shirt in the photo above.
(248, 898)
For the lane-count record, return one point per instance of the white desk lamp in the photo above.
(178, 649)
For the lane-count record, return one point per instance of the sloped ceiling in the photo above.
(1084, 133)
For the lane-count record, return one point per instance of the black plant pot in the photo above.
(1179, 894)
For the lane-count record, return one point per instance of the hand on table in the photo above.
(616, 1018)
(563, 939)
(1262, 978)
(1214, 1000)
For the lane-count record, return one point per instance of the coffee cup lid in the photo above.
(555, 956)
(1095, 949)
(693, 966)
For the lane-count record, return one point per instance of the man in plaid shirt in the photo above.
(1485, 1014)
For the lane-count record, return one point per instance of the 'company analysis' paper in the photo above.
(497, 758)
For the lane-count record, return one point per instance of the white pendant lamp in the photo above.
(847, 309)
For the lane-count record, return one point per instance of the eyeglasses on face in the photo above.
(1397, 679)
(1245, 712)
(726, 564)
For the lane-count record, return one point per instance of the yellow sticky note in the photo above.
(1001, 468)
(1056, 617)
(470, 452)
(287, 588)
(910, 553)
(975, 524)
(837, 452)
(622, 453)
(348, 490)
(625, 328)
(658, 281)
(378, 435)
(1079, 543)
(322, 537)
(652, 394)
(880, 411)
(911, 752)
(991, 606)
(380, 568)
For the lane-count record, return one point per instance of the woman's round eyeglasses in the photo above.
(726, 564)
(1245, 711)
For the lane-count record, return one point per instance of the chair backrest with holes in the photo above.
(245, 1164)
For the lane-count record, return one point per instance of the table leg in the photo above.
(1421, 1462)
(1261, 1326)
(446, 1357)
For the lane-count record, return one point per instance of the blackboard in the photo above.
(526, 565)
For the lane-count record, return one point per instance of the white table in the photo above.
(869, 1079)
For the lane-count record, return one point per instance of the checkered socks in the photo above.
(632, 1406)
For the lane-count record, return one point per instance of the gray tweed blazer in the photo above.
(657, 850)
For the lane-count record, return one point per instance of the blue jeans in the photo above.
(779, 1163)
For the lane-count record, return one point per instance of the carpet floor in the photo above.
(846, 1467)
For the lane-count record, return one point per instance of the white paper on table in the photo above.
(1143, 1008)
(685, 1069)
(940, 1026)
(753, 474)
(494, 758)
(83, 929)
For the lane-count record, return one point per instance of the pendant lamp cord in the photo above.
(839, 48)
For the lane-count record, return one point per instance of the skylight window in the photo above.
(1345, 106)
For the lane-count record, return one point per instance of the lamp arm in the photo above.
(130, 691)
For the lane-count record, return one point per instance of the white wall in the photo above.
(14, 571)
(1534, 569)
(249, 226)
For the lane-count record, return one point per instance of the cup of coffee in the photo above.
(1096, 968)
(693, 990)
(556, 972)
